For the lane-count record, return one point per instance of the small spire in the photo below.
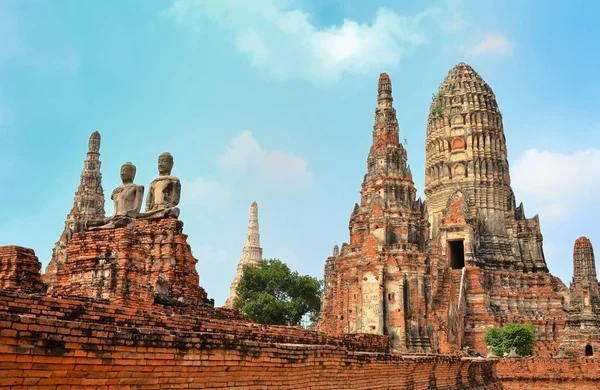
(583, 259)
(94, 143)
(384, 89)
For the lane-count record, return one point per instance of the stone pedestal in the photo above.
(151, 263)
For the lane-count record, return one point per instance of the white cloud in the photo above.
(489, 44)
(554, 183)
(205, 194)
(287, 43)
(245, 155)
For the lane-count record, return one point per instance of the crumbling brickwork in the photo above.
(20, 270)
(80, 342)
(152, 262)
(548, 374)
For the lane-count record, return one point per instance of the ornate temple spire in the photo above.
(251, 253)
(388, 175)
(88, 204)
(584, 265)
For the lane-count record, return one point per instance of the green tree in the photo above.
(272, 294)
(518, 336)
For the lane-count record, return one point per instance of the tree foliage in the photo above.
(518, 336)
(272, 294)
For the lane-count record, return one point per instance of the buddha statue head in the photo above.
(128, 172)
(165, 164)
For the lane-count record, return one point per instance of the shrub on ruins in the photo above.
(272, 294)
(518, 336)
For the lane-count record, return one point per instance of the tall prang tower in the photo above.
(479, 237)
(379, 282)
(466, 154)
(251, 253)
(88, 204)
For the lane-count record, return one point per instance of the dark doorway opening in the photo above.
(589, 351)
(457, 254)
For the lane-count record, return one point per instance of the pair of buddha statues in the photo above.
(161, 202)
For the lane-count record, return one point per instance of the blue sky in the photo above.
(273, 101)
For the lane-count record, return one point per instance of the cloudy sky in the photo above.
(273, 101)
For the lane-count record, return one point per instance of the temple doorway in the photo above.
(456, 250)
(589, 351)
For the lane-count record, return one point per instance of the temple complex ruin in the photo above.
(435, 275)
(419, 282)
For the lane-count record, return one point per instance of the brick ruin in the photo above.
(121, 306)
(433, 276)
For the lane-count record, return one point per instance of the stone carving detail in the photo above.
(251, 253)
(164, 192)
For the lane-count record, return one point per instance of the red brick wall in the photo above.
(48, 341)
(550, 374)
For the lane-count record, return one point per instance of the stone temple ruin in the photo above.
(435, 275)
(120, 304)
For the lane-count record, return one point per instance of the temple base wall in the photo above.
(548, 374)
(47, 341)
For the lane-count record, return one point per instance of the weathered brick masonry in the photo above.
(47, 341)
(551, 374)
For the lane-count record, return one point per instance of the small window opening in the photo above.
(589, 351)
(457, 254)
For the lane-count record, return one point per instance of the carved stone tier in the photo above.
(20, 270)
(151, 263)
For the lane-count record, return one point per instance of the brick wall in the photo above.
(550, 374)
(47, 341)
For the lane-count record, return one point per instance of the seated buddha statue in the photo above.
(127, 199)
(165, 190)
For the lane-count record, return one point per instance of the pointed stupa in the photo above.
(251, 253)
(88, 204)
